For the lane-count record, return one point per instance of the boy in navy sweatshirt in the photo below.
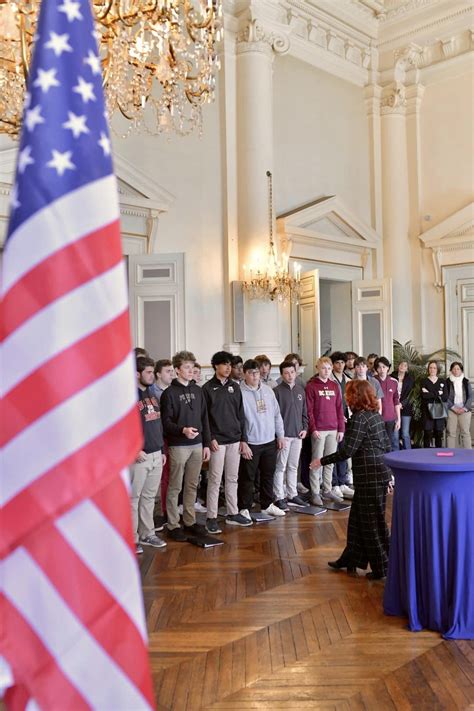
(291, 398)
(326, 426)
(186, 428)
(227, 423)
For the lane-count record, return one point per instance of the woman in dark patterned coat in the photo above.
(366, 441)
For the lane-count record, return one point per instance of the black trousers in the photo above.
(263, 460)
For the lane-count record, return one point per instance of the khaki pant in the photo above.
(185, 464)
(286, 472)
(462, 421)
(326, 444)
(145, 480)
(228, 457)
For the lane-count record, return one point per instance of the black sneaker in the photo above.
(239, 520)
(195, 530)
(281, 504)
(212, 526)
(296, 501)
(177, 534)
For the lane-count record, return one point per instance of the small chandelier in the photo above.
(159, 60)
(274, 282)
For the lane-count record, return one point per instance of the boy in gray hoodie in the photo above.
(265, 436)
(291, 398)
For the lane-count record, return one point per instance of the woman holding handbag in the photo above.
(459, 395)
(433, 407)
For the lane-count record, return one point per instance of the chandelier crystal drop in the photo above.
(274, 281)
(158, 59)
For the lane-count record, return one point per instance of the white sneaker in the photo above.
(180, 509)
(246, 514)
(346, 491)
(337, 491)
(273, 510)
(200, 508)
(332, 496)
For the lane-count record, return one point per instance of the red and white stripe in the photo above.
(75, 634)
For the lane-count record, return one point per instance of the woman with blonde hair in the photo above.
(366, 441)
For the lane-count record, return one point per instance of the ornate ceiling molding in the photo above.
(358, 40)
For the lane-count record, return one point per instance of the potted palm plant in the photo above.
(417, 365)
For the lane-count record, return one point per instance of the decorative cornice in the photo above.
(426, 26)
(393, 9)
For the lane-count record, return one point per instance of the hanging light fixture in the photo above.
(273, 281)
(158, 60)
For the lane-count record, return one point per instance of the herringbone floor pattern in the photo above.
(263, 623)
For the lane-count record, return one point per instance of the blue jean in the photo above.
(405, 430)
(339, 473)
(393, 435)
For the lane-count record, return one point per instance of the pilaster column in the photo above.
(396, 208)
(255, 49)
(414, 97)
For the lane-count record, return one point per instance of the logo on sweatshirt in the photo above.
(230, 389)
(187, 397)
(300, 397)
(326, 393)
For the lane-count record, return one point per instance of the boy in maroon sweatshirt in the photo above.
(326, 427)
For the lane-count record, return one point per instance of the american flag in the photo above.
(73, 628)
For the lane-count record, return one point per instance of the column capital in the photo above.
(393, 100)
(256, 37)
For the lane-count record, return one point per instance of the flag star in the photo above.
(14, 202)
(77, 124)
(71, 9)
(27, 99)
(46, 79)
(58, 43)
(93, 61)
(33, 117)
(104, 143)
(85, 89)
(96, 35)
(24, 159)
(61, 162)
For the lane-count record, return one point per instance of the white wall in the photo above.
(447, 147)
(320, 138)
(447, 169)
(190, 169)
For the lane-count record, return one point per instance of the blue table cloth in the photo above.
(430, 575)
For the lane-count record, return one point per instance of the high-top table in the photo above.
(430, 575)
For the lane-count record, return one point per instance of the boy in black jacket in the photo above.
(186, 428)
(227, 424)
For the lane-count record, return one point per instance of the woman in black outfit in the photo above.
(433, 389)
(366, 441)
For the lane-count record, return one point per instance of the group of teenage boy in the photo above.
(249, 429)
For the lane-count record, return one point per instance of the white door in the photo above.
(459, 313)
(156, 295)
(372, 330)
(465, 294)
(309, 329)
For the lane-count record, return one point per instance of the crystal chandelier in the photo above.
(274, 281)
(159, 60)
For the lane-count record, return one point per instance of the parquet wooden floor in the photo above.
(263, 623)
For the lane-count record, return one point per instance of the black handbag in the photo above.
(438, 410)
